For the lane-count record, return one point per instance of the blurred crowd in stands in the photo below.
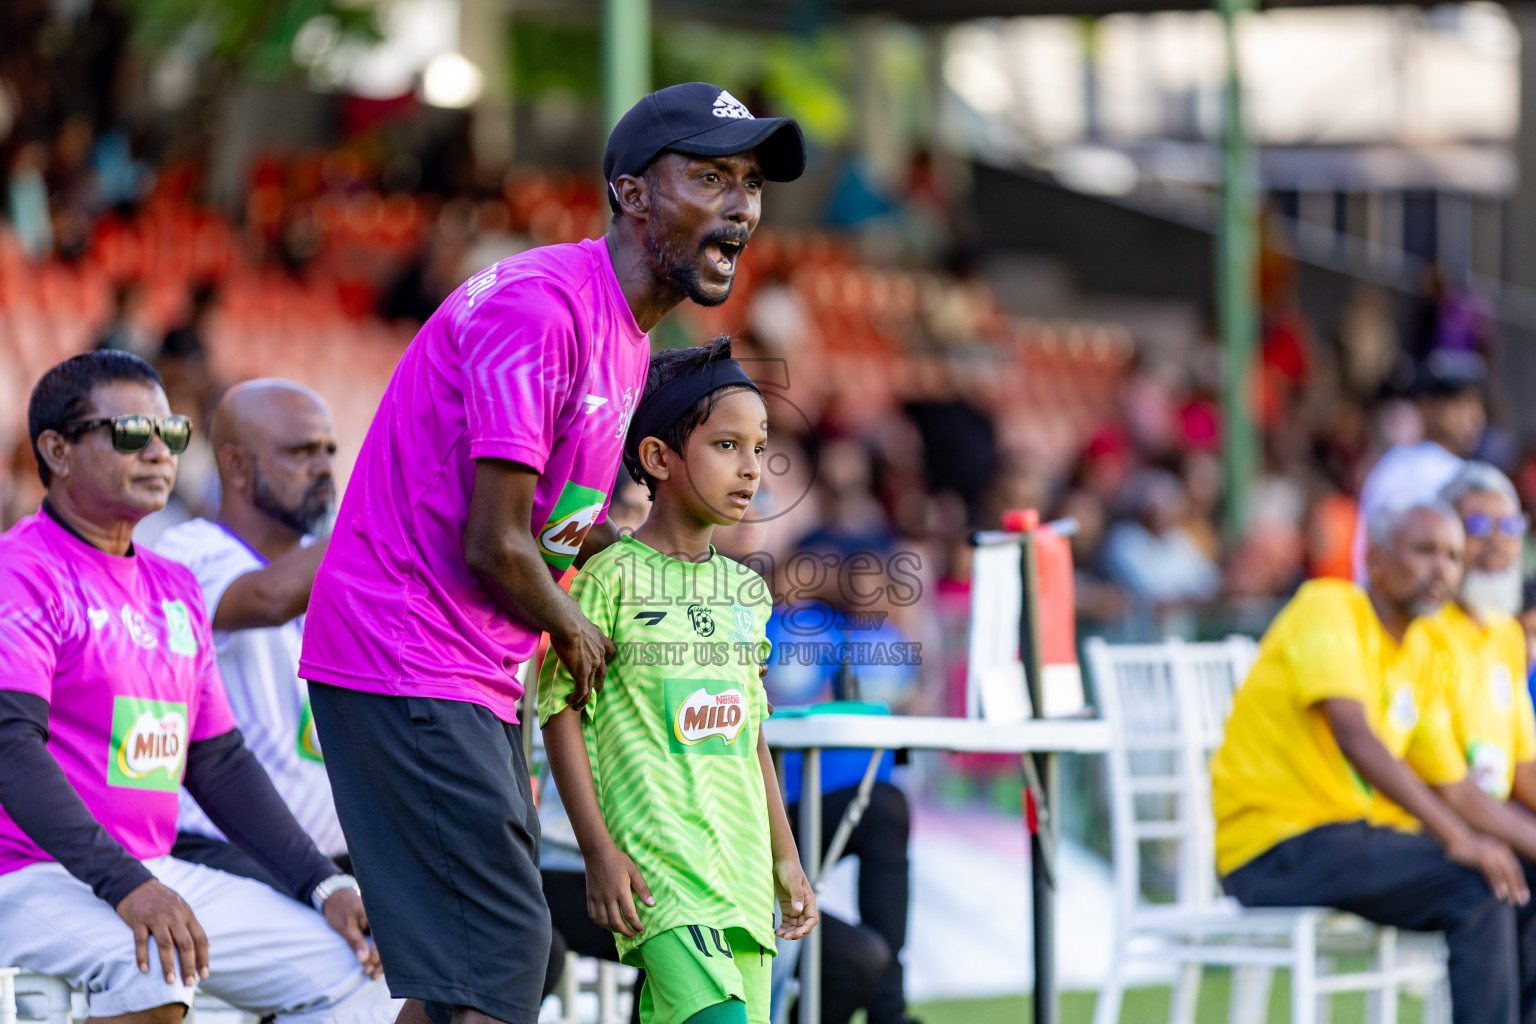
(908, 407)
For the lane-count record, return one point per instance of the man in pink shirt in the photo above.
(110, 702)
(485, 475)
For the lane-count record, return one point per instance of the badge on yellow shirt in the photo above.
(1488, 764)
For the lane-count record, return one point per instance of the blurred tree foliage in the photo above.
(250, 37)
(801, 76)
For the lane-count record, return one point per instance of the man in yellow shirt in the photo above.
(1484, 649)
(1491, 715)
(1340, 703)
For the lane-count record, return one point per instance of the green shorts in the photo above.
(692, 968)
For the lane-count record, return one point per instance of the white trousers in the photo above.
(267, 955)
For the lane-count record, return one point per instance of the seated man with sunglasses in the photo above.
(110, 701)
(1483, 653)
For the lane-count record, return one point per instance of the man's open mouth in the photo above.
(724, 254)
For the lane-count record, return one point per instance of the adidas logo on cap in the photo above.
(727, 105)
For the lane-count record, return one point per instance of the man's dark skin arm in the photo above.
(500, 550)
(598, 537)
(1396, 781)
(1522, 796)
(272, 595)
(1492, 817)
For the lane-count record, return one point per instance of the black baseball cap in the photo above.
(1448, 373)
(701, 120)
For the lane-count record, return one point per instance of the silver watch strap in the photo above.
(328, 888)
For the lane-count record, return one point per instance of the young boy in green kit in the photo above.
(664, 771)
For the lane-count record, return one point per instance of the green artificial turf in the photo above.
(1149, 1006)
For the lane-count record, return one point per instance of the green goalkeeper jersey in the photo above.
(672, 735)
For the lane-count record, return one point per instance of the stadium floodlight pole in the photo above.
(1236, 263)
(626, 57)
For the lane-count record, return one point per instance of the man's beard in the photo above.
(680, 269)
(1423, 607)
(304, 519)
(1489, 594)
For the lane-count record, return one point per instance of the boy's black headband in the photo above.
(670, 402)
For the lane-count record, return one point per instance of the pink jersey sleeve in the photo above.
(29, 634)
(213, 717)
(518, 347)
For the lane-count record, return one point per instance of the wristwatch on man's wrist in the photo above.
(326, 889)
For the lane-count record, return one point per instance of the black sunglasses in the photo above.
(131, 433)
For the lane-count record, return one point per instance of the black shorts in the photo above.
(437, 808)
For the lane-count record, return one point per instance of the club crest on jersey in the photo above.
(178, 628)
(743, 620)
(1403, 712)
(706, 716)
(1501, 688)
(701, 619)
(149, 744)
(138, 628)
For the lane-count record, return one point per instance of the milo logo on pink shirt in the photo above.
(573, 515)
(149, 744)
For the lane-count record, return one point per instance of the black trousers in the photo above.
(1525, 928)
(1394, 878)
(861, 964)
(437, 809)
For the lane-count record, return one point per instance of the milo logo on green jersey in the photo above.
(149, 744)
(309, 739)
(705, 716)
(573, 515)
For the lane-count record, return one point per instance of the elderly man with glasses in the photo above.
(1482, 677)
(110, 701)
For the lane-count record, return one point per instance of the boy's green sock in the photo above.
(732, 1011)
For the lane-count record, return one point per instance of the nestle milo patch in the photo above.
(573, 515)
(707, 716)
(149, 744)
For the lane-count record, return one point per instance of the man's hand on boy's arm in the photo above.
(1396, 781)
(499, 549)
(612, 877)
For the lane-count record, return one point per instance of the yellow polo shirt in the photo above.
(1279, 772)
(1484, 687)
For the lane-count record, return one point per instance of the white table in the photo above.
(813, 733)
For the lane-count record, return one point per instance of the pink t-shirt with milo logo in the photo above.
(119, 647)
(537, 360)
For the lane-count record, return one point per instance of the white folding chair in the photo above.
(8, 994)
(1167, 705)
(40, 997)
(604, 979)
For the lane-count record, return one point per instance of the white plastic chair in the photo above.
(27, 996)
(8, 995)
(607, 981)
(39, 997)
(1167, 705)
